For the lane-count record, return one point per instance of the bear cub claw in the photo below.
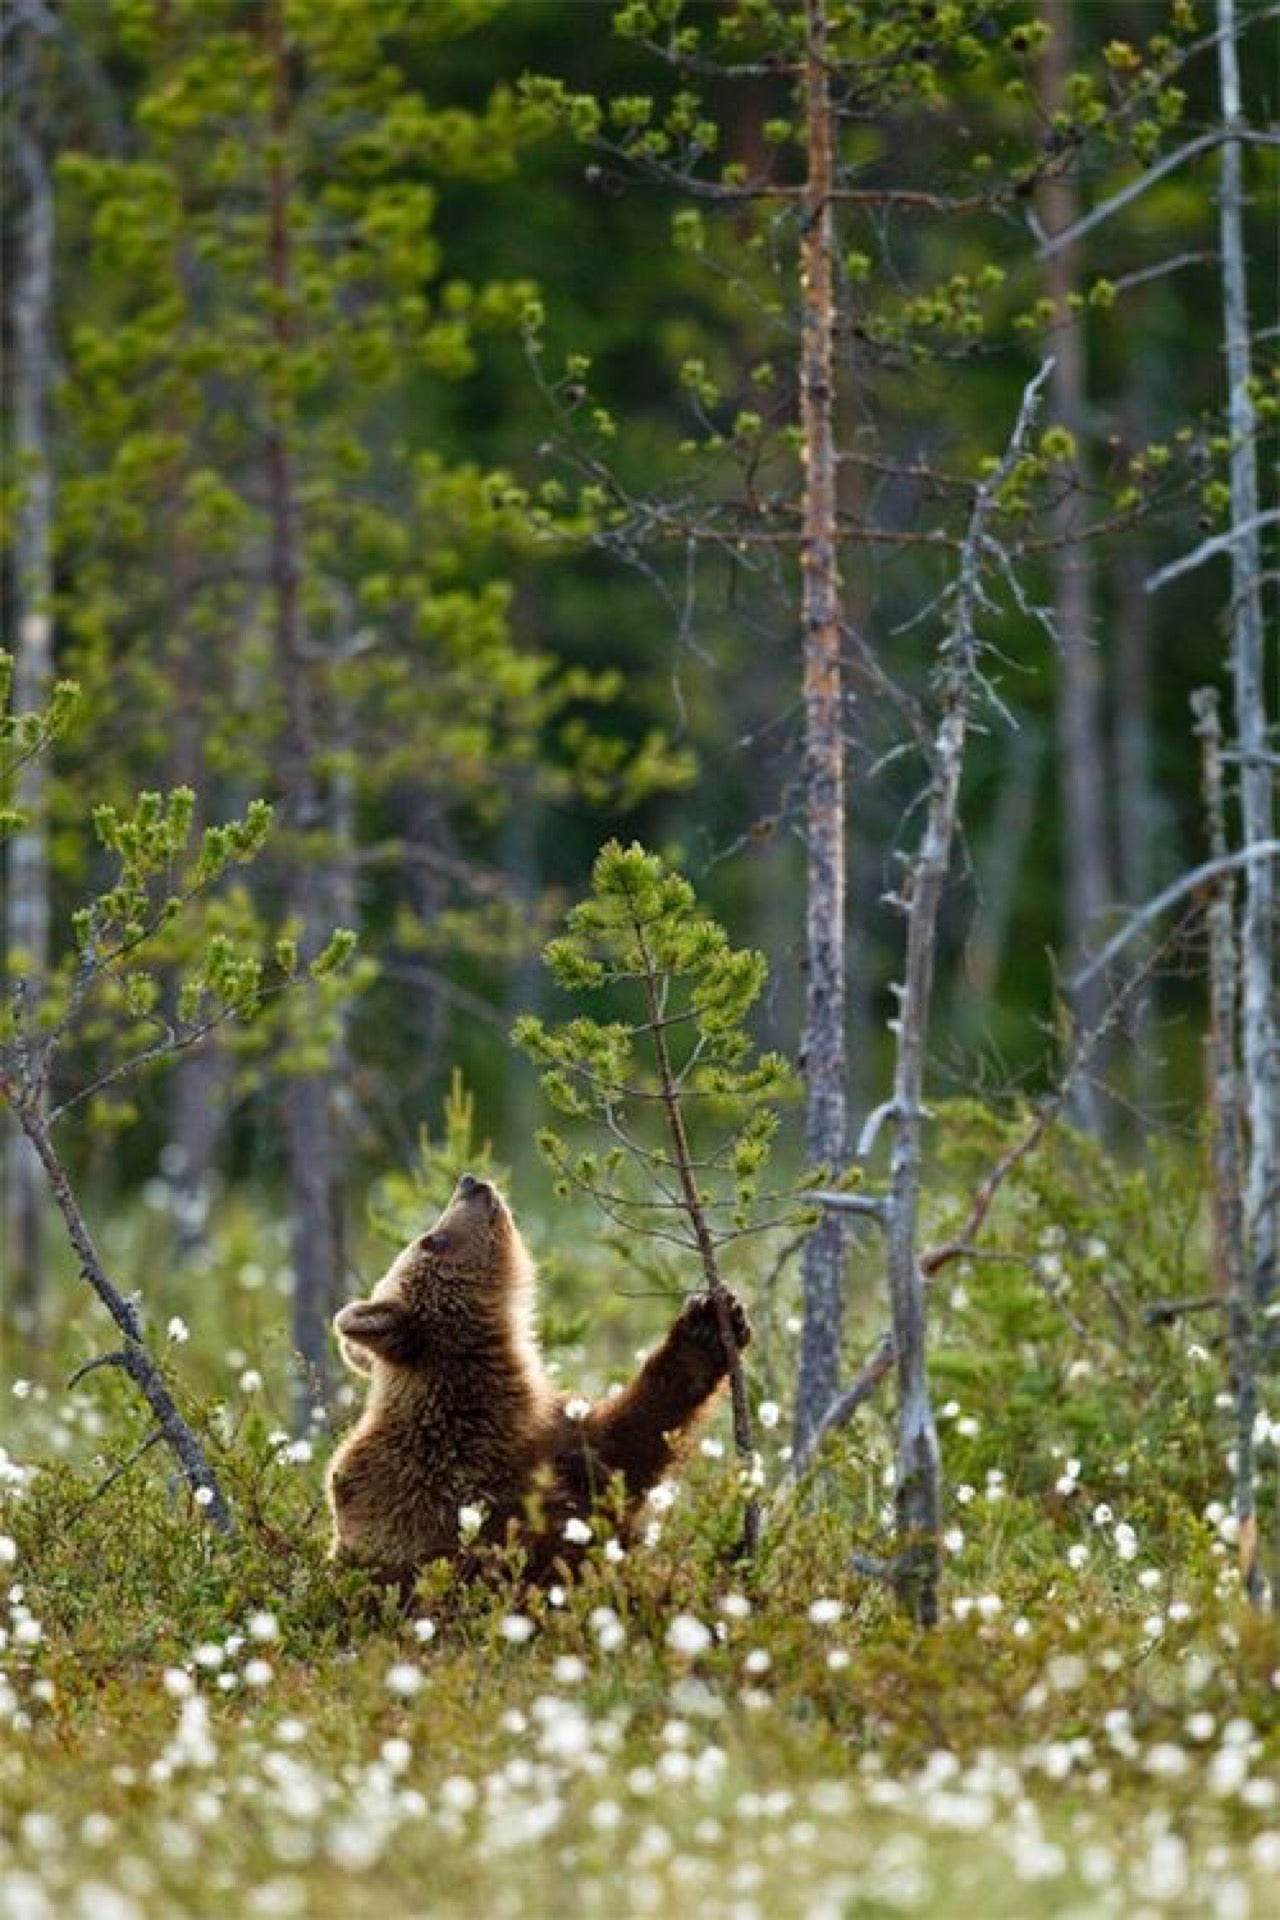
(700, 1321)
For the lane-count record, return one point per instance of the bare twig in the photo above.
(1163, 1313)
(118, 1473)
(864, 1203)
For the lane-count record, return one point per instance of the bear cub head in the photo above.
(469, 1273)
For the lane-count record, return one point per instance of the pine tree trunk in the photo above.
(307, 1113)
(823, 1043)
(27, 864)
(1258, 933)
(1081, 744)
(197, 1084)
(1136, 803)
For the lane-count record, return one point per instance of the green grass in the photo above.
(200, 1729)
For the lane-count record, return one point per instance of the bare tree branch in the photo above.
(1210, 549)
(1203, 143)
(1170, 896)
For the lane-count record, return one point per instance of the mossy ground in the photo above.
(196, 1728)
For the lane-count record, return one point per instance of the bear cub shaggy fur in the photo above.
(461, 1412)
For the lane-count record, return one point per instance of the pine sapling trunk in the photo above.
(27, 860)
(308, 1118)
(823, 1041)
(1258, 932)
(669, 1091)
(133, 1356)
(1227, 1188)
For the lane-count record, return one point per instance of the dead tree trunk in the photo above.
(914, 1568)
(1081, 752)
(823, 1041)
(27, 876)
(307, 1112)
(1258, 931)
(1227, 1183)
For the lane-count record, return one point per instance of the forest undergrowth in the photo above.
(201, 1727)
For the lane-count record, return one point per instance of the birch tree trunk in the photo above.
(823, 1040)
(1082, 767)
(1258, 932)
(27, 866)
(307, 1113)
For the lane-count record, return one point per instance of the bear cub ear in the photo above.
(383, 1328)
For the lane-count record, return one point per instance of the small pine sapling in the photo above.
(116, 986)
(669, 1074)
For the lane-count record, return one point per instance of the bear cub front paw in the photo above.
(700, 1322)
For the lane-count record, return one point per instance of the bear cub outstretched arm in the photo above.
(640, 1432)
(460, 1410)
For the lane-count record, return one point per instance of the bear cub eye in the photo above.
(436, 1242)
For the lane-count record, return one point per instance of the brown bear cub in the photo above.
(461, 1412)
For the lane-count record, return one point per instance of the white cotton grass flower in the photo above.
(258, 1673)
(577, 1532)
(825, 1613)
(263, 1626)
(203, 1496)
(424, 1629)
(404, 1680)
(517, 1628)
(8, 1550)
(250, 1381)
(178, 1331)
(576, 1408)
(688, 1636)
(769, 1413)
(608, 1629)
(470, 1521)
